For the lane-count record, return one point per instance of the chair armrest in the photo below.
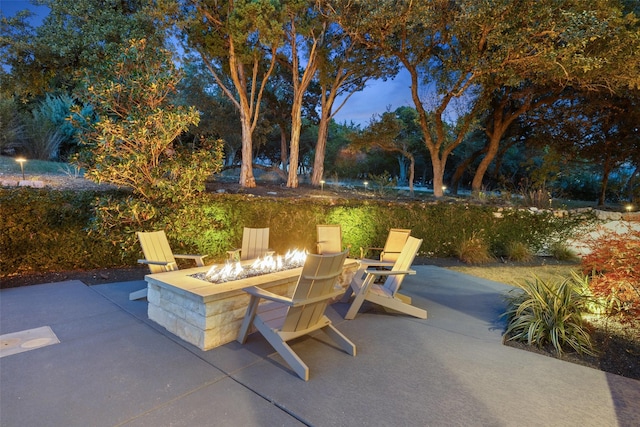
(234, 255)
(261, 293)
(146, 261)
(366, 249)
(313, 300)
(375, 263)
(199, 259)
(389, 272)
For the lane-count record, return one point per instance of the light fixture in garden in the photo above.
(322, 185)
(365, 185)
(629, 208)
(21, 160)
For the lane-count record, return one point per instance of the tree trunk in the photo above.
(606, 171)
(457, 175)
(321, 146)
(296, 124)
(246, 170)
(492, 150)
(412, 171)
(438, 174)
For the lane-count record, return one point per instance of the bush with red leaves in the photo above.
(614, 267)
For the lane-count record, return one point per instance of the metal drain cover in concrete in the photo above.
(17, 342)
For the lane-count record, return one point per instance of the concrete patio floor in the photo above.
(113, 367)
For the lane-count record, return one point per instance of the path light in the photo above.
(629, 208)
(444, 188)
(365, 185)
(21, 160)
(322, 185)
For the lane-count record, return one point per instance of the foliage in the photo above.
(466, 49)
(132, 141)
(614, 266)
(518, 251)
(12, 131)
(44, 230)
(395, 133)
(383, 183)
(212, 224)
(473, 250)
(550, 312)
(562, 252)
(73, 36)
(43, 140)
(50, 117)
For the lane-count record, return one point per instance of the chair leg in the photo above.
(404, 298)
(248, 319)
(355, 305)
(283, 349)
(142, 293)
(399, 306)
(340, 339)
(347, 294)
(361, 294)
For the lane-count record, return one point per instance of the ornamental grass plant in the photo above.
(474, 250)
(550, 312)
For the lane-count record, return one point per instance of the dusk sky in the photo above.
(359, 109)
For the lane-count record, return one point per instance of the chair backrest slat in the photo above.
(329, 239)
(318, 278)
(255, 243)
(155, 247)
(405, 259)
(395, 242)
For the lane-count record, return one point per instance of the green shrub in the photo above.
(212, 224)
(45, 230)
(550, 312)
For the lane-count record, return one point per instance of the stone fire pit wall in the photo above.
(208, 315)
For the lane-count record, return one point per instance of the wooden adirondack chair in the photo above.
(159, 257)
(329, 239)
(396, 239)
(255, 243)
(386, 295)
(284, 319)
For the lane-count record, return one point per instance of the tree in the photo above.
(391, 133)
(218, 116)
(600, 129)
(131, 140)
(303, 23)
(593, 54)
(344, 67)
(74, 36)
(452, 49)
(238, 40)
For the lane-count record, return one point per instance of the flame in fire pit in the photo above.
(263, 265)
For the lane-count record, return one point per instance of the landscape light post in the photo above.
(21, 160)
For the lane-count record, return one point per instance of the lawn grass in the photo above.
(33, 168)
(514, 275)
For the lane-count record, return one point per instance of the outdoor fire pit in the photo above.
(263, 265)
(208, 312)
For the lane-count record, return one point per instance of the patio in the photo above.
(113, 366)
